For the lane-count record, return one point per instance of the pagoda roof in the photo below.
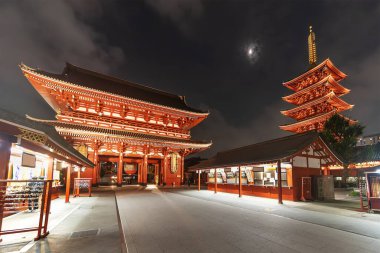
(339, 75)
(338, 89)
(312, 120)
(12, 124)
(120, 133)
(264, 152)
(81, 77)
(330, 98)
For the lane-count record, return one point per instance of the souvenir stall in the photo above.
(373, 190)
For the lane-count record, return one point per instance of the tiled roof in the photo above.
(91, 79)
(369, 153)
(121, 133)
(268, 151)
(11, 118)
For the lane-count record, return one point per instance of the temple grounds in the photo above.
(185, 220)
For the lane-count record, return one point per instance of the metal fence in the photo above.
(23, 196)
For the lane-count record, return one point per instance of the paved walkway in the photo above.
(185, 220)
(84, 225)
(157, 220)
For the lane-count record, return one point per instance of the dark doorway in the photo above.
(151, 174)
(108, 173)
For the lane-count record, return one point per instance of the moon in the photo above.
(253, 52)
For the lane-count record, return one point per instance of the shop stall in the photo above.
(266, 166)
(373, 190)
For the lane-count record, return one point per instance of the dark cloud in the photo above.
(182, 12)
(45, 34)
(198, 49)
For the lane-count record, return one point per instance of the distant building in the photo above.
(317, 94)
(368, 140)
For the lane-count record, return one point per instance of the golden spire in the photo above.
(312, 48)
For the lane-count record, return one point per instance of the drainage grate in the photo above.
(85, 233)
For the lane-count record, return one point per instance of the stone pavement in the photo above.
(320, 213)
(163, 220)
(84, 225)
(185, 220)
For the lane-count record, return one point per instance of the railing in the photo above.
(82, 183)
(22, 196)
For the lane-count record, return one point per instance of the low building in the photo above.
(254, 169)
(368, 140)
(45, 147)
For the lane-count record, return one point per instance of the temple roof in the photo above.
(312, 120)
(9, 120)
(263, 152)
(118, 133)
(330, 98)
(329, 81)
(339, 75)
(83, 77)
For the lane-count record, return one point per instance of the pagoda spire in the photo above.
(312, 48)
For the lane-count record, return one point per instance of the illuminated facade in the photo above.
(132, 133)
(317, 94)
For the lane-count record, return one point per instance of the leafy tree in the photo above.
(342, 136)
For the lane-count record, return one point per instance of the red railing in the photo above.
(22, 196)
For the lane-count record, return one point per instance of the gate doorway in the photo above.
(130, 173)
(108, 173)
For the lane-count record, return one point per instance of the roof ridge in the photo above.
(116, 79)
(270, 141)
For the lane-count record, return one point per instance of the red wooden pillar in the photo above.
(216, 181)
(199, 180)
(145, 170)
(5, 154)
(120, 165)
(68, 182)
(240, 184)
(95, 172)
(165, 153)
(279, 182)
(182, 166)
(50, 168)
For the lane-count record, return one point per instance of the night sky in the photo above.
(198, 49)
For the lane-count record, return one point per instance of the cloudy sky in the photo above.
(197, 48)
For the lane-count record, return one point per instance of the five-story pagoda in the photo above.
(316, 94)
(131, 132)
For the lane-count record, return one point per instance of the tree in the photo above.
(341, 136)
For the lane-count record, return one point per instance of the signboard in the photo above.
(28, 160)
(174, 163)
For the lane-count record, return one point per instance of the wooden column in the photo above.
(182, 166)
(199, 180)
(145, 170)
(68, 182)
(50, 168)
(139, 167)
(165, 153)
(240, 184)
(120, 165)
(5, 154)
(95, 172)
(216, 181)
(279, 182)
